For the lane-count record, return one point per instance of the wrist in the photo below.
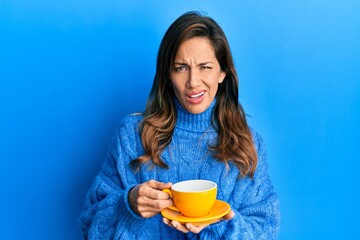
(132, 200)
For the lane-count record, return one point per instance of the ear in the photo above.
(221, 77)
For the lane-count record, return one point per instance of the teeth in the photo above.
(197, 95)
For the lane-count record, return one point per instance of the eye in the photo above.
(180, 68)
(203, 67)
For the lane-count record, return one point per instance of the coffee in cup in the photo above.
(193, 198)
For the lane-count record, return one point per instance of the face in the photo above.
(196, 75)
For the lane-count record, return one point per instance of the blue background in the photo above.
(70, 70)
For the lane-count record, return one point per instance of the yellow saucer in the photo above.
(219, 210)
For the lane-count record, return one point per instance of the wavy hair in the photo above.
(234, 141)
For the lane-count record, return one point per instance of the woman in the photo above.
(193, 128)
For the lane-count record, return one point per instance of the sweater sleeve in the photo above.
(255, 205)
(106, 204)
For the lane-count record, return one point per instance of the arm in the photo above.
(106, 203)
(255, 205)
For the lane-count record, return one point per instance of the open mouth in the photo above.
(195, 98)
(197, 95)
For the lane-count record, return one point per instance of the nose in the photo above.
(193, 79)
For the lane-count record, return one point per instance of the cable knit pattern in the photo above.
(107, 213)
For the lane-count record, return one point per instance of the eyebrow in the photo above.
(182, 63)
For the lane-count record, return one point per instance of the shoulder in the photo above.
(262, 165)
(128, 132)
(130, 122)
(258, 141)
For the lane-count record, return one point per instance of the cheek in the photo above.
(214, 84)
(176, 82)
(214, 90)
(177, 89)
(173, 83)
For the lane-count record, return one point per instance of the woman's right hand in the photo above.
(148, 199)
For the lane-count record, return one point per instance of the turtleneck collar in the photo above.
(201, 122)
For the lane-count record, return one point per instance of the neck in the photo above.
(194, 122)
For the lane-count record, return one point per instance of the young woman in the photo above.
(193, 127)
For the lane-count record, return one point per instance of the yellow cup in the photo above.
(193, 198)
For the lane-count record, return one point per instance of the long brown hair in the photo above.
(234, 141)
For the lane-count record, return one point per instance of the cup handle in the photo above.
(167, 190)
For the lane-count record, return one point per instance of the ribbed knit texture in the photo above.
(107, 213)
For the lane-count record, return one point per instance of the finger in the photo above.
(194, 228)
(160, 204)
(152, 193)
(180, 227)
(229, 216)
(158, 185)
(148, 204)
(167, 222)
(143, 198)
(147, 214)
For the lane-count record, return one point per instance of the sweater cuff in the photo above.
(127, 204)
(216, 230)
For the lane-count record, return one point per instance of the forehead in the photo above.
(195, 48)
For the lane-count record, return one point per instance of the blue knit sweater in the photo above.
(108, 215)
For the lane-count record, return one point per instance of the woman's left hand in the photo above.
(189, 227)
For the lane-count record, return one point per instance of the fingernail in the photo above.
(188, 226)
(174, 224)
